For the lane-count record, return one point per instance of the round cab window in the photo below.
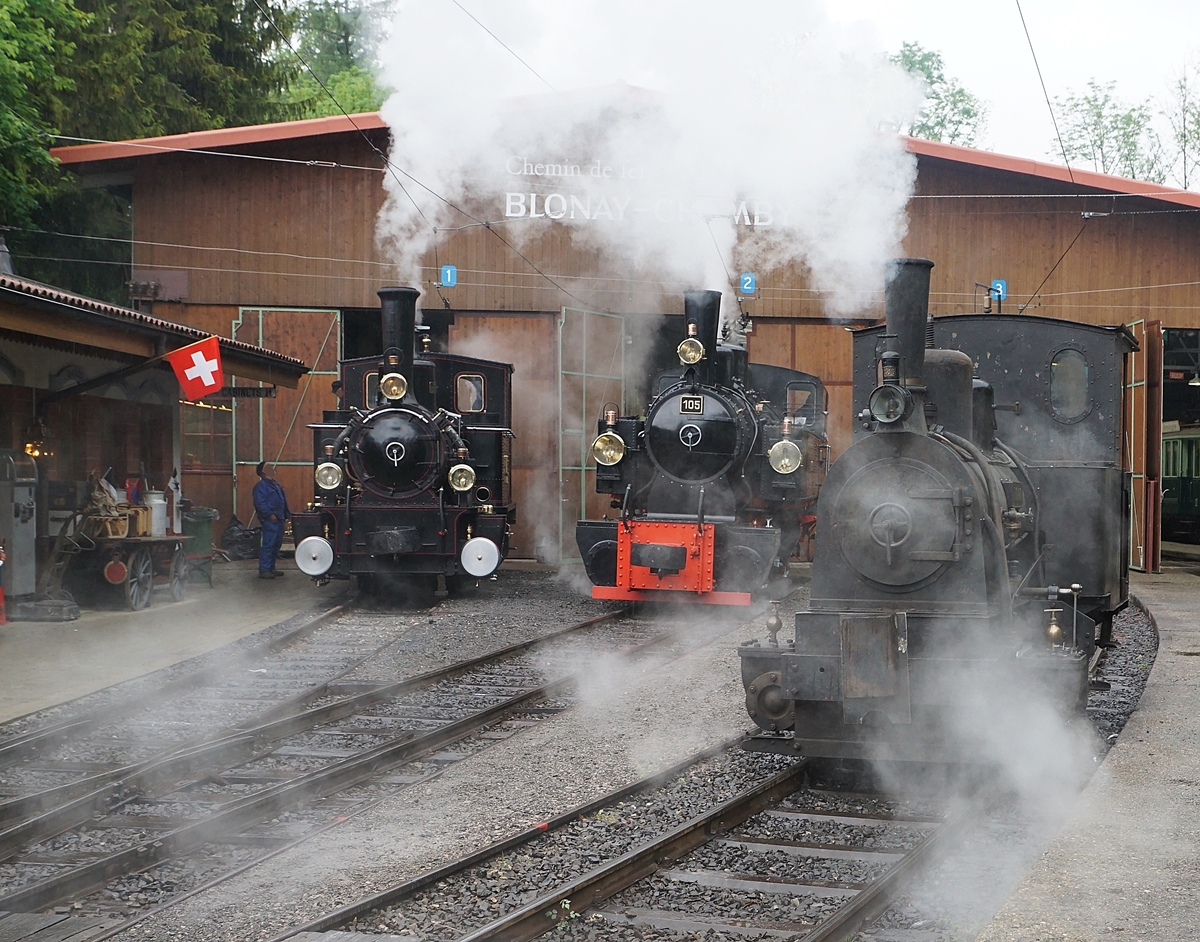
(1069, 396)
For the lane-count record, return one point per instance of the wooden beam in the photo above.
(90, 334)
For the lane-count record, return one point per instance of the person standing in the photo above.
(270, 502)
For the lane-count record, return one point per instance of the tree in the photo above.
(338, 41)
(1182, 112)
(950, 113)
(33, 52)
(117, 69)
(149, 67)
(1109, 134)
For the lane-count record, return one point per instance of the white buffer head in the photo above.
(314, 556)
(480, 556)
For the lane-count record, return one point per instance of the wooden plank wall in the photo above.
(314, 228)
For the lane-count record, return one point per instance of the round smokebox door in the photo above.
(395, 450)
(894, 521)
(692, 436)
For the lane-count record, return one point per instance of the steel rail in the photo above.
(18, 747)
(272, 800)
(873, 901)
(573, 897)
(393, 894)
(50, 812)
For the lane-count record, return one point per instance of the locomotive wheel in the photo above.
(139, 581)
(767, 705)
(180, 575)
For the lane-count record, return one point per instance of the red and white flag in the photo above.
(198, 368)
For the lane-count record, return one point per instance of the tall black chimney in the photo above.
(906, 302)
(398, 316)
(702, 313)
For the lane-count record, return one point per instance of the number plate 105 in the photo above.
(691, 405)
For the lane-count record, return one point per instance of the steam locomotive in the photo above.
(413, 473)
(973, 538)
(715, 484)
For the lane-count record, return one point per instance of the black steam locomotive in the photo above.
(972, 541)
(715, 484)
(412, 473)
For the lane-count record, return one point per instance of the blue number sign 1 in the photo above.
(747, 282)
(449, 276)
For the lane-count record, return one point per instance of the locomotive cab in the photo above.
(413, 474)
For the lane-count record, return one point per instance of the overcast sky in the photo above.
(1141, 46)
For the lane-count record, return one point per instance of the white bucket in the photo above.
(158, 512)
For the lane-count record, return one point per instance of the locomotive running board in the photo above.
(617, 594)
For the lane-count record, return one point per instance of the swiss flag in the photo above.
(198, 368)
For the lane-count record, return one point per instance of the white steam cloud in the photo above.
(687, 139)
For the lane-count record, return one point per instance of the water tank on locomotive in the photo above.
(714, 485)
(971, 541)
(413, 473)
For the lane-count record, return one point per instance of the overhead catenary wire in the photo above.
(1046, 94)
(504, 44)
(1054, 267)
(395, 171)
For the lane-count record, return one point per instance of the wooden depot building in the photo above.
(281, 253)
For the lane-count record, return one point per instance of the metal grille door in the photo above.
(591, 372)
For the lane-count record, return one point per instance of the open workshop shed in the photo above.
(80, 397)
(281, 253)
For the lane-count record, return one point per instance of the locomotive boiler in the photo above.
(713, 486)
(412, 475)
(972, 540)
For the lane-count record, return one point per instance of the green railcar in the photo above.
(1181, 483)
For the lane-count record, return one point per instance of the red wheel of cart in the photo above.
(139, 580)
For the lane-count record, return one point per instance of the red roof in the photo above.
(1037, 168)
(368, 121)
(220, 138)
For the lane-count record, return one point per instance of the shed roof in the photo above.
(34, 310)
(371, 121)
(220, 138)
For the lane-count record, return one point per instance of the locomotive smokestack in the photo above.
(398, 316)
(702, 309)
(906, 301)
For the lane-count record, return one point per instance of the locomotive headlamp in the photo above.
(328, 475)
(889, 404)
(393, 386)
(784, 457)
(690, 351)
(608, 449)
(462, 477)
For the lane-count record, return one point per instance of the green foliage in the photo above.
(98, 266)
(149, 67)
(950, 113)
(1182, 111)
(354, 89)
(1109, 134)
(337, 39)
(33, 51)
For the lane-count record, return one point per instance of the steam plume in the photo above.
(689, 138)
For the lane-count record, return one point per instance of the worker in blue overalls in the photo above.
(270, 502)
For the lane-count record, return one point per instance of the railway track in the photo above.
(277, 778)
(777, 859)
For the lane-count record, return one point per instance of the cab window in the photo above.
(470, 393)
(1069, 397)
